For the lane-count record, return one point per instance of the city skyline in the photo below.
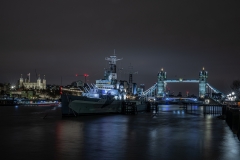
(60, 39)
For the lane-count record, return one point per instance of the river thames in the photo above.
(172, 133)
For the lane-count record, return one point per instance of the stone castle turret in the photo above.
(20, 83)
(32, 85)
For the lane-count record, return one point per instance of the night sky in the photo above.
(59, 38)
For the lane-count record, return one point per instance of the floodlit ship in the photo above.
(106, 96)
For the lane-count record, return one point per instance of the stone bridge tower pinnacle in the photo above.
(162, 76)
(203, 75)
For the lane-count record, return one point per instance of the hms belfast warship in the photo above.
(106, 96)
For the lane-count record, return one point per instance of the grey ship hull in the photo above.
(72, 105)
(101, 106)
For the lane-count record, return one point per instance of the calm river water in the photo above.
(169, 134)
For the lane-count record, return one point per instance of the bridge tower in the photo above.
(161, 85)
(203, 75)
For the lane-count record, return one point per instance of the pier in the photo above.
(129, 108)
(152, 106)
(207, 108)
(213, 109)
(232, 117)
(229, 113)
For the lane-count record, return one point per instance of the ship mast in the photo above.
(112, 60)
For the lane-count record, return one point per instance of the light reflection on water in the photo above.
(170, 133)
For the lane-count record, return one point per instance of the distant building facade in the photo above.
(26, 84)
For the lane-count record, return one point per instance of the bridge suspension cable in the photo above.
(215, 90)
(148, 91)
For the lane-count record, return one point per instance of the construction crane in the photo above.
(85, 75)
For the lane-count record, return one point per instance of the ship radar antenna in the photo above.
(112, 61)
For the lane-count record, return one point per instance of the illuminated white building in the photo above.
(32, 85)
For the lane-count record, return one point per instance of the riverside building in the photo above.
(40, 84)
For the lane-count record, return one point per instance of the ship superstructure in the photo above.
(106, 96)
(110, 83)
(111, 74)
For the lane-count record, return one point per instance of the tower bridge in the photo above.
(159, 88)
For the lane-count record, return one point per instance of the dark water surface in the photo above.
(170, 134)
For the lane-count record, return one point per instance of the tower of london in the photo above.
(25, 83)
